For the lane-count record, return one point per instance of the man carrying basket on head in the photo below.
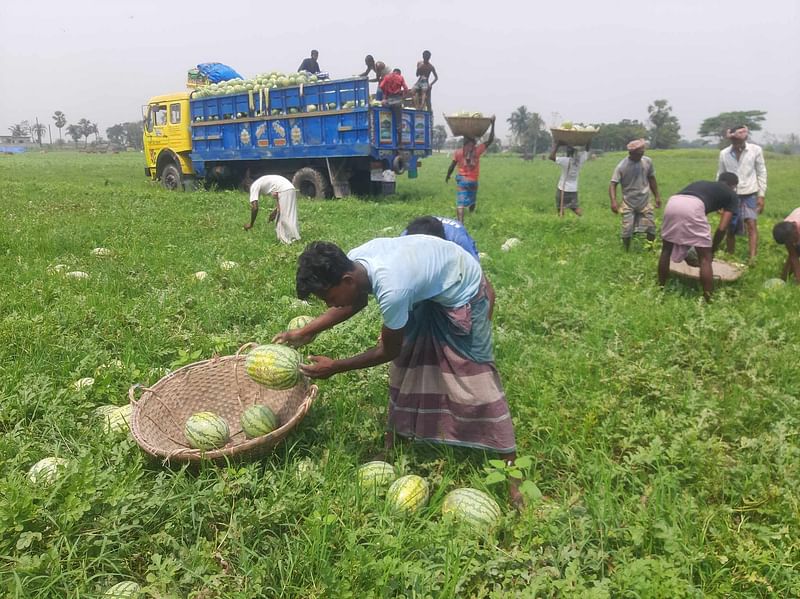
(468, 161)
(567, 188)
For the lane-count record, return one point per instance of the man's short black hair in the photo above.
(320, 267)
(426, 225)
(396, 71)
(315, 51)
(783, 232)
(426, 54)
(729, 178)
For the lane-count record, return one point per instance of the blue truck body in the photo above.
(329, 126)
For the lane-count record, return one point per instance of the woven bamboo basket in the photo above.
(219, 385)
(468, 126)
(572, 137)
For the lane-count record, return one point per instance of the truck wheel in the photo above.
(399, 164)
(311, 183)
(171, 178)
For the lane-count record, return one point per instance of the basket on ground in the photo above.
(218, 385)
(468, 126)
(573, 137)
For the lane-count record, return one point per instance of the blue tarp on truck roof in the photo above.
(216, 72)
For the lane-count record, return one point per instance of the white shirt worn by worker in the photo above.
(570, 167)
(750, 168)
(286, 228)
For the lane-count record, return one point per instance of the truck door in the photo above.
(155, 132)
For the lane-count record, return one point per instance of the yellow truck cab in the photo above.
(167, 140)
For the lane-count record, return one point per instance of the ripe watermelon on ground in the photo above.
(257, 421)
(118, 419)
(298, 322)
(408, 494)
(774, 283)
(123, 590)
(46, 470)
(375, 474)
(206, 430)
(274, 366)
(472, 507)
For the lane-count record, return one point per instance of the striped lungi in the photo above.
(444, 387)
(466, 192)
(685, 225)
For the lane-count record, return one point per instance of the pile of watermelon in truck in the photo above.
(327, 136)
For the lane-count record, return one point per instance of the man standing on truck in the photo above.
(379, 68)
(285, 212)
(310, 64)
(422, 88)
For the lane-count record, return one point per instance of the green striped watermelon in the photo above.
(258, 420)
(206, 430)
(124, 590)
(375, 474)
(46, 470)
(118, 420)
(408, 494)
(473, 507)
(274, 366)
(298, 322)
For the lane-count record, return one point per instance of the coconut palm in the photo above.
(61, 120)
(38, 130)
(519, 123)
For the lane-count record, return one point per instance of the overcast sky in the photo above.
(584, 61)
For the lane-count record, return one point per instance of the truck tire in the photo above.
(399, 164)
(171, 178)
(311, 183)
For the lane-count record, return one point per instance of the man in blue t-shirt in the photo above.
(450, 230)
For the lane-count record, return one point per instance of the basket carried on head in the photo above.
(572, 137)
(218, 385)
(468, 126)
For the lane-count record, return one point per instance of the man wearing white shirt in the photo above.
(567, 189)
(745, 160)
(284, 193)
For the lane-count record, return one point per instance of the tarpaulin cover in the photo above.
(216, 72)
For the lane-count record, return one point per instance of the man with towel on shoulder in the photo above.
(686, 225)
(637, 176)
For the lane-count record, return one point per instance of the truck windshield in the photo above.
(156, 116)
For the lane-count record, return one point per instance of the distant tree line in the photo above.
(121, 135)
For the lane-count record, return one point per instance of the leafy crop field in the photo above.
(662, 432)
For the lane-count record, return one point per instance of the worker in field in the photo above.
(310, 65)
(787, 233)
(567, 188)
(686, 226)
(285, 212)
(637, 176)
(746, 160)
(468, 158)
(443, 383)
(451, 230)
(422, 88)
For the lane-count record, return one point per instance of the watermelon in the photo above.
(774, 283)
(206, 430)
(103, 411)
(83, 383)
(407, 494)
(45, 470)
(118, 419)
(258, 420)
(472, 507)
(375, 474)
(274, 366)
(298, 322)
(123, 590)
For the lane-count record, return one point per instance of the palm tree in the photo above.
(519, 123)
(61, 119)
(86, 130)
(38, 130)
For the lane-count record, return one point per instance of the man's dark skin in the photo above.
(792, 264)
(635, 156)
(570, 154)
(425, 69)
(705, 255)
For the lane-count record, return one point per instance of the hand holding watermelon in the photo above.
(293, 338)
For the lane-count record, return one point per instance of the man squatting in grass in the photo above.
(285, 196)
(567, 188)
(787, 233)
(637, 176)
(686, 226)
(451, 230)
(468, 160)
(443, 383)
(747, 161)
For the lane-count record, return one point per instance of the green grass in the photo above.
(663, 431)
